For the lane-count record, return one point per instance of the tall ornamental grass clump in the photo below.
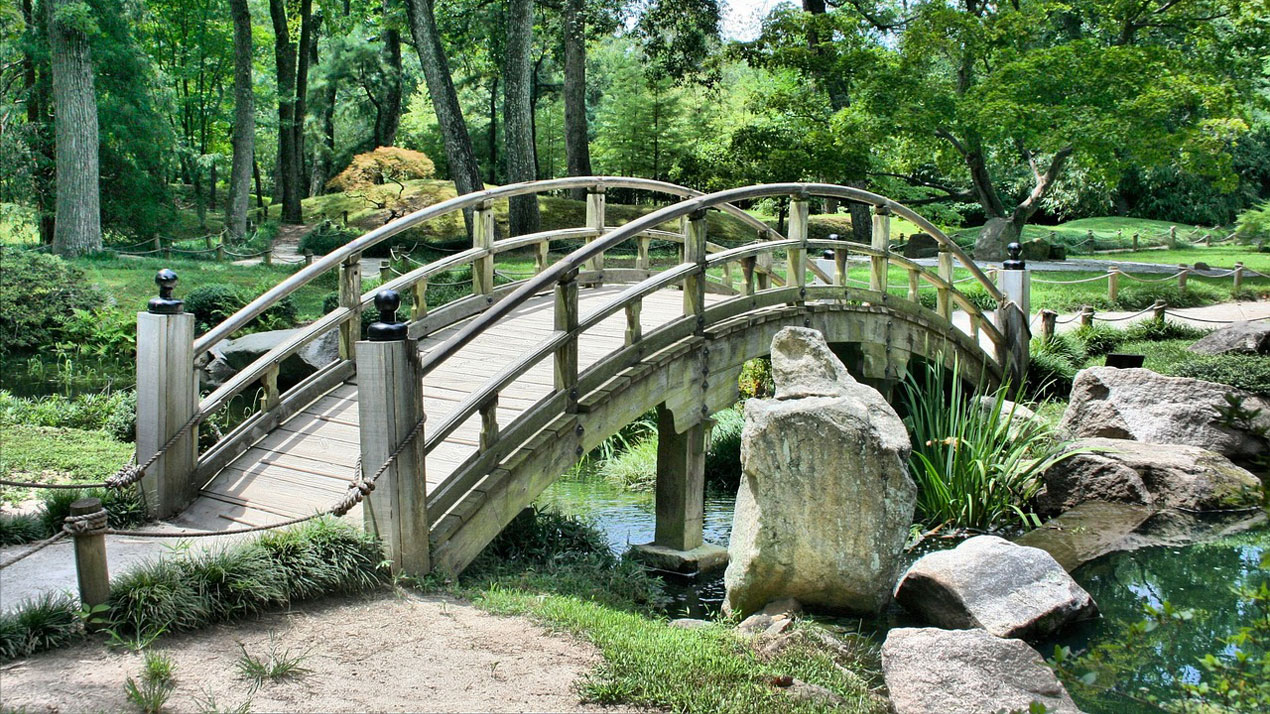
(977, 462)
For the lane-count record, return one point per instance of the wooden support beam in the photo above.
(566, 320)
(881, 242)
(167, 396)
(351, 298)
(595, 201)
(680, 497)
(390, 406)
(483, 238)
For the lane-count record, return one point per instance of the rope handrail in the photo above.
(1153, 280)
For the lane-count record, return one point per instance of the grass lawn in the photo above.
(1218, 256)
(52, 454)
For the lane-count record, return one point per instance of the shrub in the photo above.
(1140, 296)
(121, 422)
(383, 165)
(1050, 376)
(211, 304)
(723, 458)
(1160, 330)
(325, 238)
(975, 467)
(634, 468)
(1248, 372)
(1098, 340)
(51, 621)
(1253, 225)
(83, 411)
(538, 537)
(16, 528)
(756, 379)
(38, 294)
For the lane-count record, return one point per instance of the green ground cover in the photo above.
(1217, 256)
(56, 454)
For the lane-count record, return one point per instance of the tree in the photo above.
(290, 161)
(577, 145)
(244, 138)
(518, 81)
(78, 210)
(445, 101)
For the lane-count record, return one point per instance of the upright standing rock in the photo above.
(825, 503)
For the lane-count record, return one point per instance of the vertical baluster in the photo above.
(541, 252)
(595, 221)
(269, 383)
(695, 252)
(763, 265)
(489, 423)
(634, 330)
(912, 285)
(880, 242)
(840, 257)
(943, 297)
(747, 274)
(351, 298)
(799, 211)
(419, 309)
(483, 238)
(641, 257)
(566, 320)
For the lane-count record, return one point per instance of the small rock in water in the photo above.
(930, 670)
(788, 606)
(988, 582)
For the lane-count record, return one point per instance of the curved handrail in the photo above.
(575, 259)
(331, 260)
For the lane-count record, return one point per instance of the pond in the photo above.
(1202, 579)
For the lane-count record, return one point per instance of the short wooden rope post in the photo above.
(1238, 277)
(566, 320)
(90, 558)
(158, 244)
(419, 306)
(1135, 241)
(695, 252)
(799, 213)
(748, 264)
(1016, 288)
(1172, 236)
(943, 296)
(390, 402)
(351, 298)
(267, 255)
(634, 330)
(483, 238)
(642, 244)
(1086, 316)
(308, 257)
(1049, 321)
(167, 397)
(1208, 240)
(1182, 273)
(1113, 283)
(1158, 310)
(207, 241)
(385, 271)
(595, 221)
(879, 264)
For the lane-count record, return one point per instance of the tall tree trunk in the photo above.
(306, 51)
(244, 135)
(493, 130)
(255, 175)
(389, 116)
(445, 101)
(35, 84)
(518, 141)
(320, 166)
(284, 55)
(577, 148)
(78, 227)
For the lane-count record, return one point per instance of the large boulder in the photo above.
(1241, 338)
(921, 245)
(967, 672)
(232, 356)
(823, 509)
(995, 235)
(990, 583)
(1172, 476)
(1144, 406)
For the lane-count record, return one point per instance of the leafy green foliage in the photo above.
(1254, 225)
(325, 238)
(45, 623)
(276, 665)
(1248, 372)
(156, 684)
(39, 293)
(212, 304)
(83, 411)
(976, 464)
(56, 454)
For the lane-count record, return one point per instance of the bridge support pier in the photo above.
(678, 543)
(390, 404)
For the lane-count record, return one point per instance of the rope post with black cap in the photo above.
(390, 405)
(1012, 314)
(167, 400)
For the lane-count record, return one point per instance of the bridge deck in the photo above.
(306, 464)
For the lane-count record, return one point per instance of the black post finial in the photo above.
(1016, 261)
(386, 328)
(165, 304)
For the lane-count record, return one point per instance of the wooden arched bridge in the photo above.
(519, 380)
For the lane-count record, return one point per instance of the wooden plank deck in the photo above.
(305, 465)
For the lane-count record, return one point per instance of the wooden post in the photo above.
(220, 252)
(1158, 310)
(1182, 273)
(695, 252)
(880, 242)
(566, 320)
(207, 241)
(542, 250)
(595, 221)
(385, 271)
(1135, 241)
(267, 256)
(390, 402)
(351, 298)
(489, 423)
(269, 386)
(1113, 283)
(158, 244)
(634, 330)
(483, 238)
(419, 308)
(680, 497)
(1238, 277)
(840, 257)
(943, 298)
(1208, 240)
(799, 212)
(90, 558)
(763, 263)
(1086, 316)
(748, 264)
(913, 295)
(641, 256)
(1049, 321)
(167, 397)
(1172, 236)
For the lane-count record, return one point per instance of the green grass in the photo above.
(52, 454)
(1222, 257)
(1109, 232)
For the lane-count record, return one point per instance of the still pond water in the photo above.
(1202, 578)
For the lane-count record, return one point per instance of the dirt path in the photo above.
(387, 652)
